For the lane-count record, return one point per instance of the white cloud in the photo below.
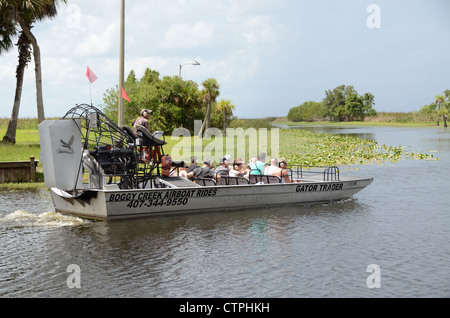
(258, 29)
(97, 43)
(275, 52)
(188, 36)
(73, 20)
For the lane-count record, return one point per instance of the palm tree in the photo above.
(225, 108)
(24, 48)
(209, 95)
(25, 13)
(8, 31)
(439, 99)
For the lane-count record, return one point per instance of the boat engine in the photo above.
(115, 161)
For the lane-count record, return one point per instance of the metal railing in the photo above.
(329, 173)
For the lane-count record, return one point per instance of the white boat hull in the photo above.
(117, 204)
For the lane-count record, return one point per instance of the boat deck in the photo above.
(178, 182)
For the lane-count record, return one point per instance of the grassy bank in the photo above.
(357, 123)
(382, 119)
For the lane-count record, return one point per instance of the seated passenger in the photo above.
(204, 171)
(274, 168)
(239, 169)
(193, 164)
(259, 166)
(181, 172)
(224, 168)
(284, 173)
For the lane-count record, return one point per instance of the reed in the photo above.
(401, 117)
(22, 123)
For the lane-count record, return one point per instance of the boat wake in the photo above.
(342, 201)
(22, 218)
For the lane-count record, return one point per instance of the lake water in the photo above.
(390, 240)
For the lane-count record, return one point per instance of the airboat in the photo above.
(98, 170)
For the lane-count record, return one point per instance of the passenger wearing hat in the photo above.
(204, 171)
(193, 164)
(223, 170)
(142, 120)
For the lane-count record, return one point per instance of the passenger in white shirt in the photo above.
(277, 168)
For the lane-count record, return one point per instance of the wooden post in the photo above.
(32, 169)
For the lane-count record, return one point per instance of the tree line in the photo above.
(439, 108)
(175, 102)
(343, 103)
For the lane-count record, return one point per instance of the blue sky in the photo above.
(268, 56)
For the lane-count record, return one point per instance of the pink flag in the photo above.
(90, 75)
(124, 95)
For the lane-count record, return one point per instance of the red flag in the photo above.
(124, 95)
(90, 75)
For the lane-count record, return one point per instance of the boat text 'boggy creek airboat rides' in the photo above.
(98, 170)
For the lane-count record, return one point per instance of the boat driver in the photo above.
(142, 120)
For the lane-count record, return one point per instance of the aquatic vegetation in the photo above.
(312, 148)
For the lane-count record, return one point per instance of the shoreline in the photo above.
(359, 124)
(29, 123)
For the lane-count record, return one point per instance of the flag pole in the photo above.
(90, 92)
(91, 77)
(120, 112)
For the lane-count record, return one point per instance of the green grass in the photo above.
(27, 144)
(27, 140)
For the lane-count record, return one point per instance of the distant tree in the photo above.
(335, 100)
(427, 112)
(368, 103)
(439, 99)
(308, 111)
(353, 109)
(208, 95)
(447, 105)
(344, 103)
(225, 108)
